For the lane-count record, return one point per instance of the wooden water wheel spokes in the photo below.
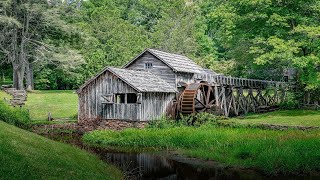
(197, 97)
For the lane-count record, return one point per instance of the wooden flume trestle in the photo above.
(229, 96)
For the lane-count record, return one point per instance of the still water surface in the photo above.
(167, 165)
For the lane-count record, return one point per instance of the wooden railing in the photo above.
(238, 82)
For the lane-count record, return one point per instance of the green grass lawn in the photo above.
(274, 152)
(61, 104)
(4, 95)
(283, 117)
(25, 155)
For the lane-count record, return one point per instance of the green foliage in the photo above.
(7, 82)
(255, 39)
(283, 152)
(33, 36)
(25, 155)
(199, 119)
(113, 32)
(290, 102)
(46, 79)
(162, 122)
(265, 37)
(191, 120)
(16, 116)
(5, 73)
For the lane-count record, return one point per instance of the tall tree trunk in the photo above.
(19, 67)
(29, 77)
(18, 76)
(14, 75)
(17, 62)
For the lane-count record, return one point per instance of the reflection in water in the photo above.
(151, 166)
(140, 166)
(167, 166)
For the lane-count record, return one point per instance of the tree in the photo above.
(25, 30)
(176, 31)
(107, 39)
(265, 37)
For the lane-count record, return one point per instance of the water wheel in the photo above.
(197, 97)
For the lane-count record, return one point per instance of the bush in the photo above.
(290, 102)
(191, 120)
(162, 122)
(200, 119)
(15, 116)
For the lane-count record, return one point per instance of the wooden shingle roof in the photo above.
(209, 71)
(178, 63)
(142, 81)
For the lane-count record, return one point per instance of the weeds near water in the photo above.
(195, 120)
(274, 152)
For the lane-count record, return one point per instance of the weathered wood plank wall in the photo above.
(90, 104)
(122, 111)
(158, 68)
(154, 105)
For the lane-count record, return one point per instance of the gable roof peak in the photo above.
(177, 62)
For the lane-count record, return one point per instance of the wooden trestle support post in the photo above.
(231, 98)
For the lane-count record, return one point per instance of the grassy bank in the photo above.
(61, 104)
(284, 117)
(4, 95)
(25, 155)
(15, 116)
(274, 152)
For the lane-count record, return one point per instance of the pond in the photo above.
(166, 165)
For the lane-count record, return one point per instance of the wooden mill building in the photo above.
(141, 90)
(148, 85)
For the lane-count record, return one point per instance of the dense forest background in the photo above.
(58, 44)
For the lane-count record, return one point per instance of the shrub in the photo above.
(199, 119)
(190, 120)
(162, 122)
(290, 102)
(15, 116)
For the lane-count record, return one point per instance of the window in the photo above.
(132, 98)
(148, 65)
(120, 98)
